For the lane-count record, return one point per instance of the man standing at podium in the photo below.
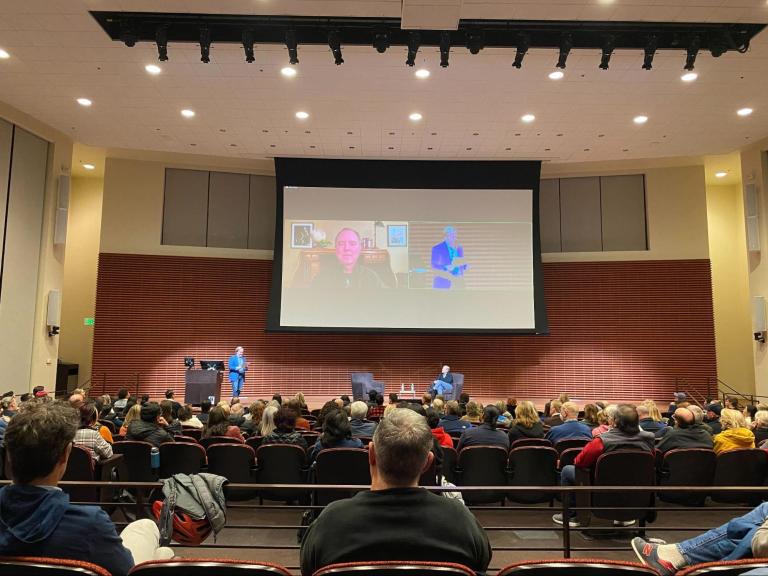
(237, 366)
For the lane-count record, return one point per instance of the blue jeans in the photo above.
(731, 541)
(568, 478)
(237, 386)
(440, 388)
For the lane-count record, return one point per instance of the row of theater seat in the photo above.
(227, 567)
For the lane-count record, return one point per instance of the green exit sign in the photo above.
(88, 321)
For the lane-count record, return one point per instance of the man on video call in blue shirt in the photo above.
(447, 262)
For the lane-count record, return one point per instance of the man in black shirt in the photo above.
(381, 524)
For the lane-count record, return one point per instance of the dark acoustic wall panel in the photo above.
(228, 210)
(622, 202)
(549, 216)
(580, 214)
(261, 220)
(618, 330)
(185, 207)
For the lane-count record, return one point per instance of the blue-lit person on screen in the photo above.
(448, 262)
(346, 272)
(237, 367)
(443, 384)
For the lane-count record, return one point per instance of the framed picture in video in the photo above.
(397, 235)
(301, 234)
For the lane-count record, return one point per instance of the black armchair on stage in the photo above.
(362, 383)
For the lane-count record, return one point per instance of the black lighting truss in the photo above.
(383, 33)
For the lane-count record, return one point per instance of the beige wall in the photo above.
(51, 260)
(730, 287)
(81, 263)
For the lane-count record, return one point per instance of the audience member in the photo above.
(712, 417)
(9, 406)
(358, 425)
(122, 399)
(486, 434)
(174, 405)
(88, 436)
(442, 437)
(442, 529)
(505, 418)
(650, 419)
(451, 421)
(25, 397)
(511, 407)
(733, 403)
(474, 413)
(377, 410)
(205, 410)
(134, 413)
(571, 427)
(218, 425)
(393, 398)
(172, 425)
(252, 424)
(685, 434)
(295, 405)
(698, 418)
(150, 427)
(327, 408)
(267, 424)
(186, 418)
(760, 426)
(336, 434)
(626, 435)
(303, 409)
(75, 400)
(590, 416)
(426, 399)
(37, 519)
(279, 399)
(236, 416)
(527, 423)
(285, 429)
(678, 398)
(606, 417)
(554, 419)
(345, 400)
(743, 537)
(735, 433)
(749, 413)
(144, 399)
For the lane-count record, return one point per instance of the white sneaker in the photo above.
(572, 522)
(624, 523)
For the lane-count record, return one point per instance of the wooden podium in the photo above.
(200, 384)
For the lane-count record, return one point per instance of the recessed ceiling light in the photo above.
(288, 71)
(528, 118)
(640, 119)
(301, 115)
(4, 55)
(153, 69)
(721, 174)
(556, 75)
(415, 116)
(84, 102)
(89, 166)
(421, 73)
(744, 111)
(187, 113)
(689, 77)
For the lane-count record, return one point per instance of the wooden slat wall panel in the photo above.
(618, 330)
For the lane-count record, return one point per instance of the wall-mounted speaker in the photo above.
(758, 318)
(62, 212)
(53, 312)
(751, 212)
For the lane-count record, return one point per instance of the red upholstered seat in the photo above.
(395, 568)
(730, 568)
(39, 566)
(577, 567)
(208, 567)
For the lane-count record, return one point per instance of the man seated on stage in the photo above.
(743, 537)
(443, 383)
(373, 523)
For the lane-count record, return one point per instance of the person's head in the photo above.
(150, 412)
(732, 402)
(433, 418)
(400, 450)
(76, 400)
(134, 413)
(166, 410)
(256, 410)
(80, 391)
(511, 404)
(239, 351)
(347, 248)
(490, 415)
(679, 397)
(185, 413)
(626, 419)
(379, 400)
(525, 414)
(463, 398)
(642, 411)
(438, 404)
(285, 419)
(26, 397)
(713, 411)
(294, 405)
(731, 419)
(123, 394)
(267, 424)
(205, 406)
(88, 414)
(474, 412)
(236, 409)
(698, 414)
(684, 418)
(426, 399)
(445, 369)
(144, 399)
(169, 393)
(750, 410)
(563, 398)
(761, 419)
(569, 411)
(611, 413)
(38, 441)
(9, 403)
(452, 408)
(358, 410)
(335, 428)
(37, 389)
(339, 403)
(327, 408)
(554, 407)
(393, 398)
(372, 395)
(218, 422)
(450, 235)
(653, 410)
(590, 414)
(277, 398)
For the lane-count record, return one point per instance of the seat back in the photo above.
(482, 466)
(450, 461)
(233, 461)
(532, 466)
(181, 458)
(395, 568)
(210, 440)
(530, 442)
(39, 566)
(80, 467)
(577, 567)
(568, 457)
(195, 433)
(208, 567)
(624, 468)
(254, 441)
(687, 467)
(725, 568)
(137, 459)
(567, 443)
(281, 464)
(742, 467)
(340, 466)
(429, 476)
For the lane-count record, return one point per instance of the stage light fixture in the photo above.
(205, 45)
(607, 51)
(293, 46)
(414, 41)
(523, 43)
(691, 53)
(127, 35)
(248, 46)
(161, 39)
(565, 49)
(650, 51)
(475, 41)
(334, 41)
(381, 41)
(445, 49)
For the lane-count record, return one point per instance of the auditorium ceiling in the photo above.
(470, 110)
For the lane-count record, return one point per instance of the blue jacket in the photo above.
(570, 429)
(236, 365)
(37, 521)
(650, 425)
(362, 428)
(442, 260)
(452, 423)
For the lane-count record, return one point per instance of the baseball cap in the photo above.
(41, 394)
(716, 408)
(680, 396)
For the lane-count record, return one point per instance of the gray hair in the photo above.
(698, 414)
(402, 442)
(612, 411)
(358, 410)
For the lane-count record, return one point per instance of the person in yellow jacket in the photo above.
(735, 433)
